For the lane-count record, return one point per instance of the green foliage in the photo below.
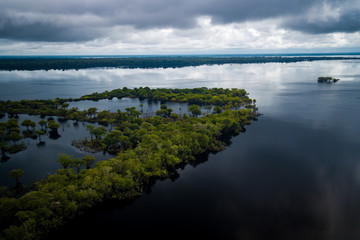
(12, 123)
(65, 160)
(14, 136)
(98, 132)
(77, 163)
(40, 133)
(146, 148)
(16, 148)
(195, 110)
(164, 111)
(115, 140)
(88, 161)
(92, 112)
(16, 173)
(27, 123)
(217, 109)
(53, 125)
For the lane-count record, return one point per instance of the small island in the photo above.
(327, 80)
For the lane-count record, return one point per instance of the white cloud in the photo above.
(206, 37)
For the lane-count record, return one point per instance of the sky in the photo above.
(140, 27)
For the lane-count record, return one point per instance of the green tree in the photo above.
(65, 160)
(12, 124)
(132, 112)
(99, 132)
(16, 173)
(33, 125)
(54, 129)
(88, 161)
(14, 136)
(174, 116)
(92, 112)
(77, 163)
(3, 147)
(53, 125)
(2, 131)
(26, 123)
(195, 110)
(217, 109)
(40, 133)
(42, 123)
(112, 138)
(64, 105)
(62, 112)
(90, 128)
(164, 111)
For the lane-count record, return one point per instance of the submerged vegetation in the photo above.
(147, 148)
(58, 107)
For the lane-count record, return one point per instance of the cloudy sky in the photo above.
(178, 26)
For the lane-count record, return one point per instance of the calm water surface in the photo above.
(294, 174)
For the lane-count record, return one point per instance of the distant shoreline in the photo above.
(32, 63)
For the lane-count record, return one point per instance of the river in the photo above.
(294, 173)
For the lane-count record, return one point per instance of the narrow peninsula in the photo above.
(147, 148)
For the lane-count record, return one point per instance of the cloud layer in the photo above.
(128, 21)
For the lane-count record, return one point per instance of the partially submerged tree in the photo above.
(92, 112)
(42, 123)
(65, 160)
(77, 163)
(195, 110)
(40, 133)
(14, 136)
(88, 161)
(53, 125)
(99, 132)
(90, 128)
(54, 129)
(26, 123)
(16, 173)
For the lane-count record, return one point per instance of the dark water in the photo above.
(149, 108)
(294, 174)
(39, 160)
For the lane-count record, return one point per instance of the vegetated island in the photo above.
(327, 80)
(149, 148)
(68, 63)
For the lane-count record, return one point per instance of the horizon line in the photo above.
(185, 54)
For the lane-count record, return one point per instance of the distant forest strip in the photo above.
(30, 64)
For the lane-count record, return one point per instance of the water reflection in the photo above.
(271, 187)
(146, 107)
(254, 77)
(39, 159)
(295, 174)
(276, 86)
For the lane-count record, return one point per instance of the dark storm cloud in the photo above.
(228, 11)
(70, 20)
(35, 30)
(346, 23)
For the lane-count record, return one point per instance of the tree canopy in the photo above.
(147, 148)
